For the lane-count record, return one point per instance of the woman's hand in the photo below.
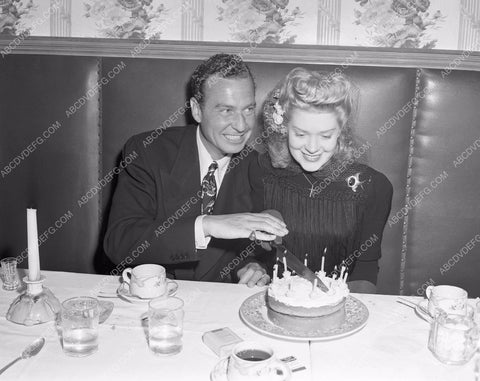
(253, 274)
(241, 225)
(275, 213)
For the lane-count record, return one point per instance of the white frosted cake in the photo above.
(294, 303)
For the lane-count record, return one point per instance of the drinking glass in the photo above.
(453, 338)
(9, 273)
(165, 325)
(80, 326)
(251, 361)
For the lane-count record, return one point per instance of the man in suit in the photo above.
(184, 200)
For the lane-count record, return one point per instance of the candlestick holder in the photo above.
(35, 305)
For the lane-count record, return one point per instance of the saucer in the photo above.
(124, 293)
(421, 308)
(219, 372)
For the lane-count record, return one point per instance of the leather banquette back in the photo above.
(420, 127)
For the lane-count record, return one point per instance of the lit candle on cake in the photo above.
(285, 264)
(33, 253)
(345, 277)
(322, 268)
(335, 273)
(275, 272)
(342, 271)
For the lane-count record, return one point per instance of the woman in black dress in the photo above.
(333, 205)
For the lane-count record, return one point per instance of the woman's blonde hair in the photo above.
(314, 91)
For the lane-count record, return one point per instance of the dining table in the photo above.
(392, 345)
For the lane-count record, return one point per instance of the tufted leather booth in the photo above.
(430, 151)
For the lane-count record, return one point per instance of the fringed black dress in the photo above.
(342, 209)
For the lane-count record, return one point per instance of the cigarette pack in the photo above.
(221, 341)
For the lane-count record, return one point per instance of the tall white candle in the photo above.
(322, 268)
(275, 272)
(285, 264)
(33, 253)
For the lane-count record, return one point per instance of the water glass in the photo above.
(165, 326)
(80, 326)
(453, 338)
(9, 273)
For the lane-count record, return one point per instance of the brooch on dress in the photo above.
(354, 182)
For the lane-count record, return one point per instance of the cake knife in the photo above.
(296, 265)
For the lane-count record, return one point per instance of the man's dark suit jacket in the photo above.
(157, 200)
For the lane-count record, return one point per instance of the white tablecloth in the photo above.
(123, 352)
(393, 345)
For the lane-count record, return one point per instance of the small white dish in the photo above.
(105, 309)
(124, 292)
(219, 372)
(421, 309)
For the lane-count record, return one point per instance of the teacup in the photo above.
(450, 299)
(254, 361)
(146, 281)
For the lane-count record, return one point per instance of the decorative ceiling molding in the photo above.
(298, 54)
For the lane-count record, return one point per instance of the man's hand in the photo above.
(241, 225)
(253, 274)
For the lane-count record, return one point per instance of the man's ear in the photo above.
(196, 110)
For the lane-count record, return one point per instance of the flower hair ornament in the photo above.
(274, 114)
(275, 130)
(277, 115)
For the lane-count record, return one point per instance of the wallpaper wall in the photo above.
(422, 24)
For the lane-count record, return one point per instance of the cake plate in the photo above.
(253, 313)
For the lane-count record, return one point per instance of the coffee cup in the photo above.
(449, 299)
(147, 281)
(255, 361)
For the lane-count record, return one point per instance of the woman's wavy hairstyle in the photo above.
(314, 91)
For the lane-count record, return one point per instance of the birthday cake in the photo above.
(294, 303)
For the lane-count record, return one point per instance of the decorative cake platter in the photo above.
(253, 312)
